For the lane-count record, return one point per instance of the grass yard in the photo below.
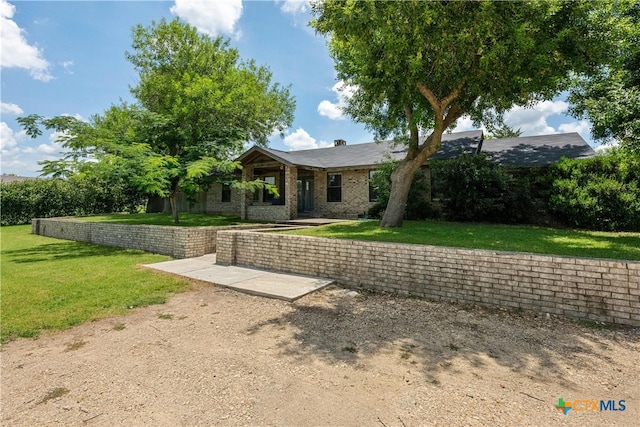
(541, 240)
(186, 219)
(55, 284)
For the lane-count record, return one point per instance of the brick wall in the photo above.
(267, 212)
(355, 194)
(178, 242)
(578, 288)
(215, 205)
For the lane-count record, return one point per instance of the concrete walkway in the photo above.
(287, 287)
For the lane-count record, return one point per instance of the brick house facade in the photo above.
(334, 182)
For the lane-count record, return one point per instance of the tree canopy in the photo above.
(419, 66)
(198, 104)
(611, 99)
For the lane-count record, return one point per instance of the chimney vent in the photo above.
(339, 142)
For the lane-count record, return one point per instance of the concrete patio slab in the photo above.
(222, 275)
(181, 266)
(288, 287)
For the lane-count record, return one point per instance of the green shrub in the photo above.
(23, 200)
(473, 188)
(601, 193)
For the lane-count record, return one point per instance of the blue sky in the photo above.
(68, 58)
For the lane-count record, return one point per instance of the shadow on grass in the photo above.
(436, 338)
(61, 251)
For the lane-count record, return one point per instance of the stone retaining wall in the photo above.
(268, 213)
(578, 288)
(178, 242)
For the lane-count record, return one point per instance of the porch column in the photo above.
(245, 195)
(291, 190)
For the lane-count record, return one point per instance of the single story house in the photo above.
(334, 182)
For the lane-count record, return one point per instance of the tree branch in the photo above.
(431, 97)
(453, 114)
(439, 106)
(451, 97)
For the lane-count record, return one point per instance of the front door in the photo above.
(305, 194)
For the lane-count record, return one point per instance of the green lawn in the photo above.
(483, 236)
(186, 219)
(55, 284)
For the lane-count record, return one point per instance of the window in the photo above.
(267, 196)
(334, 187)
(226, 193)
(373, 194)
(262, 194)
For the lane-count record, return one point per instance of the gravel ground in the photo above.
(212, 356)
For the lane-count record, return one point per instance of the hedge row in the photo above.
(23, 200)
(600, 193)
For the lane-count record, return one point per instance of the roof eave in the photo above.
(265, 152)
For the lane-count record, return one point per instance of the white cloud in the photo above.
(210, 17)
(8, 138)
(301, 140)
(15, 156)
(606, 146)
(583, 127)
(16, 51)
(20, 158)
(67, 66)
(8, 108)
(48, 149)
(533, 121)
(295, 7)
(334, 110)
(465, 123)
(331, 110)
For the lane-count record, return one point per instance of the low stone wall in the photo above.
(578, 288)
(178, 242)
(267, 213)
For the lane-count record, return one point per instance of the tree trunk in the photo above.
(401, 179)
(174, 207)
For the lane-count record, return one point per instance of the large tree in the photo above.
(198, 104)
(611, 99)
(418, 66)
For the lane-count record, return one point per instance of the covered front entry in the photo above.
(305, 194)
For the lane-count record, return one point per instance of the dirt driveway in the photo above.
(216, 357)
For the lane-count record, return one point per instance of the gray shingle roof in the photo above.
(369, 154)
(540, 150)
(517, 152)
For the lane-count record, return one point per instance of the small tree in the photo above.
(198, 104)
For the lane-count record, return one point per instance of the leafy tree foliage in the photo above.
(611, 99)
(419, 65)
(601, 193)
(198, 103)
